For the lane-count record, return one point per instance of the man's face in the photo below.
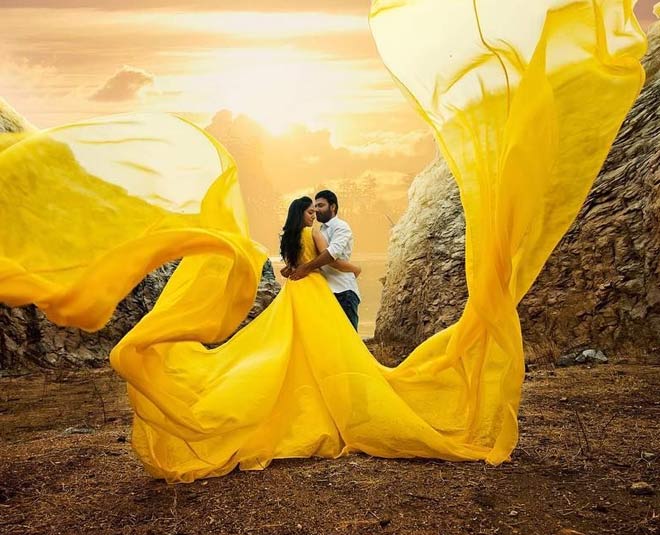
(324, 212)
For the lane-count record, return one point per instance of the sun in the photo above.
(278, 88)
(275, 92)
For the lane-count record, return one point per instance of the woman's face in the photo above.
(309, 216)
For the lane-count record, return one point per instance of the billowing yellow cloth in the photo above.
(525, 99)
(89, 209)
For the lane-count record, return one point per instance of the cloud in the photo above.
(76, 37)
(125, 84)
(19, 73)
(27, 85)
(372, 176)
(380, 143)
(324, 6)
(302, 157)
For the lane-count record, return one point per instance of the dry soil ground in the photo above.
(587, 434)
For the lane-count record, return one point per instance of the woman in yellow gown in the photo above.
(296, 382)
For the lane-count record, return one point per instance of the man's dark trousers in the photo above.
(349, 302)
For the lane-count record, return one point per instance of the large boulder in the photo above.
(29, 340)
(600, 287)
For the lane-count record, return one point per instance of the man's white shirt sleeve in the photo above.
(340, 246)
(339, 243)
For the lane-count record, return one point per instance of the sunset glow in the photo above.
(62, 60)
(297, 92)
(278, 68)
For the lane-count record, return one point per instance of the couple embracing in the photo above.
(325, 249)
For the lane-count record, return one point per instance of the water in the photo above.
(373, 270)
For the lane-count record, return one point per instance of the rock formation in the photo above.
(28, 339)
(10, 121)
(600, 287)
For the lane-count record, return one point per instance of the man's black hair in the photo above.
(328, 196)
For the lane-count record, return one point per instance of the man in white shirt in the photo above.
(340, 247)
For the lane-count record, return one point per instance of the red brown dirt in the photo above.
(587, 434)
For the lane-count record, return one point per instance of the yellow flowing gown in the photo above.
(525, 99)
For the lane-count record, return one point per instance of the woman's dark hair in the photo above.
(290, 244)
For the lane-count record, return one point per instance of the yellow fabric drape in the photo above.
(89, 209)
(525, 99)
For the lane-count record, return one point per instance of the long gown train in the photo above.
(296, 382)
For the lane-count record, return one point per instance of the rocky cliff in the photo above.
(28, 339)
(601, 286)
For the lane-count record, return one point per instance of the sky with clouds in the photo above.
(316, 66)
(279, 62)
